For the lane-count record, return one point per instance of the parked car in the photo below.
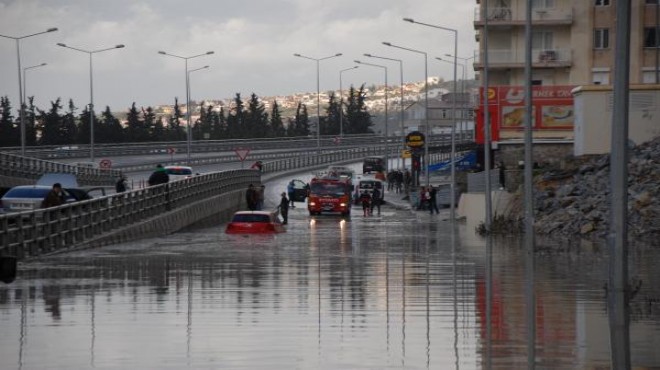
(179, 172)
(255, 222)
(373, 164)
(300, 190)
(29, 197)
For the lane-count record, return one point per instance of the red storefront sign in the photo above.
(552, 109)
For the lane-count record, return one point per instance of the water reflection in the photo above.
(365, 293)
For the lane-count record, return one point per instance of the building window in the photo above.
(651, 77)
(600, 78)
(601, 38)
(543, 4)
(602, 2)
(651, 2)
(651, 37)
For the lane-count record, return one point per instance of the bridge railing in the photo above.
(28, 234)
(32, 168)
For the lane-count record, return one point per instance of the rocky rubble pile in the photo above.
(575, 201)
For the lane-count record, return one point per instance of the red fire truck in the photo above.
(330, 194)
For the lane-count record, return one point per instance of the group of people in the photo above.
(371, 201)
(397, 180)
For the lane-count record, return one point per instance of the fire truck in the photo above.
(330, 194)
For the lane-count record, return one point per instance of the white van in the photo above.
(368, 185)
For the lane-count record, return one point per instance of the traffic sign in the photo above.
(415, 139)
(406, 154)
(171, 150)
(242, 153)
(105, 163)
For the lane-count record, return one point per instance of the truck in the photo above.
(330, 194)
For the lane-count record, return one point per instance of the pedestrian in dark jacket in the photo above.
(432, 200)
(120, 186)
(54, 198)
(284, 209)
(251, 198)
(159, 176)
(365, 198)
(375, 200)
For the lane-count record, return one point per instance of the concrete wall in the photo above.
(472, 206)
(593, 117)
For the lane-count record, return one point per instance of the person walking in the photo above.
(432, 200)
(284, 208)
(365, 198)
(290, 190)
(251, 198)
(54, 198)
(375, 200)
(502, 175)
(159, 176)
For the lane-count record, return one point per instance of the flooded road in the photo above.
(402, 290)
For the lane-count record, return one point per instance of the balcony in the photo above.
(511, 17)
(515, 58)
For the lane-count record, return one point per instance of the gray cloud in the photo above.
(253, 42)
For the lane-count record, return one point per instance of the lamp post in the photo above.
(453, 127)
(191, 71)
(318, 95)
(465, 75)
(426, 103)
(25, 77)
(387, 147)
(91, 91)
(403, 140)
(20, 82)
(462, 91)
(189, 129)
(341, 101)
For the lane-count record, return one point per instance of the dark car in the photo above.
(300, 190)
(373, 164)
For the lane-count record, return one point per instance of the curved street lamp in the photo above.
(20, 82)
(453, 127)
(189, 129)
(403, 140)
(191, 71)
(318, 95)
(91, 90)
(387, 147)
(341, 101)
(426, 103)
(25, 77)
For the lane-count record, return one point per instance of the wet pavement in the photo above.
(401, 290)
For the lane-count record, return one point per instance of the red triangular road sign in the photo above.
(242, 153)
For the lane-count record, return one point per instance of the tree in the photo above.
(50, 124)
(330, 123)
(357, 119)
(219, 129)
(235, 119)
(256, 119)
(9, 133)
(135, 129)
(150, 125)
(30, 123)
(202, 130)
(276, 124)
(69, 129)
(174, 130)
(112, 131)
(300, 124)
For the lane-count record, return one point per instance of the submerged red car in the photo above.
(255, 222)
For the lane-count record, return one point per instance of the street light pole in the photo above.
(189, 129)
(91, 91)
(387, 146)
(341, 101)
(465, 75)
(318, 95)
(25, 78)
(20, 82)
(188, 86)
(462, 111)
(453, 127)
(403, 140)
(426, 102)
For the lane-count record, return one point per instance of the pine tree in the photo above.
(50, 125)
(30, 124)
(357, 119)
(69, 130)
(300, 124)
(235, 119)
(276, 124)
(135, 131)
(330, 123)
(9, 134)
(112, 132)
(256, 120)
(219, 130)
(175, 131)
(83, 134)
(150, 120)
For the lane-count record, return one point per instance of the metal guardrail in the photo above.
(29, 234)
(32, 168)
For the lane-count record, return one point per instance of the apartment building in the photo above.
(572, 41)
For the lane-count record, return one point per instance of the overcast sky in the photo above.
(254, 42)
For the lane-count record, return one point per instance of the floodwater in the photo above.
(402, 290)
